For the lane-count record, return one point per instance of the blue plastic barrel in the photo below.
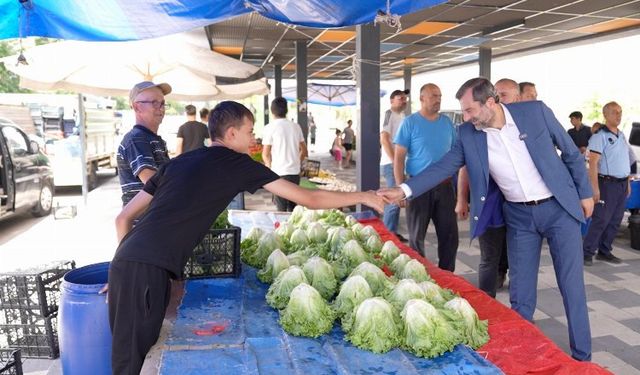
(83, 322)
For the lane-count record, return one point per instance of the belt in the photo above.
(611, 178)
(536, 202)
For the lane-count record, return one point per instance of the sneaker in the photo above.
(588, 261)
(608, 258)
(401, 237)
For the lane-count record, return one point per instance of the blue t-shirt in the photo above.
(426, 141)
(614, 153)
(140, 148)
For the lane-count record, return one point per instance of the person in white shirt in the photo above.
(283, 149)
(392, 119)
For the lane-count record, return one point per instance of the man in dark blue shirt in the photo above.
(580, 132)
(142, 151)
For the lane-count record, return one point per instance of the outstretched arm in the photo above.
(316, 199)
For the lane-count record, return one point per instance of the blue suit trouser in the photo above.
(526, 227)
(391, 214)
(606, 217)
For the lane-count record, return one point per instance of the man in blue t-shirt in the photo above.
(423, 138)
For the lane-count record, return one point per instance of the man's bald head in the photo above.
(508, 90)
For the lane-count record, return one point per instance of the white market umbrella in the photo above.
(326, 94)
(112, 68)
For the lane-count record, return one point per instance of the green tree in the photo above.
(593, 110)
(9, 82)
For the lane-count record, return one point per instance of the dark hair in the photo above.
(481, 90)
(398, 92)
(190, 109)
(204, 112)
(524, 85)
(225, 115)
(576, 114)
(279, 107)
(349, 122)
(338, 131)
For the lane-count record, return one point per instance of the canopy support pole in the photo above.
(301, 85)
(484, 60)
(368, 82)
(407, 86)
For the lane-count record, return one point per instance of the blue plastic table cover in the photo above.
(253, 342)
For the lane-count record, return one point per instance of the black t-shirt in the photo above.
(580, 137)
(193, 134)
(189, 193)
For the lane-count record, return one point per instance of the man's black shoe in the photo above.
(608, 258)
(501, 278)
(401, 238)
(588, 261)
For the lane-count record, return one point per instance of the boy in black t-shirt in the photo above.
(175, 209)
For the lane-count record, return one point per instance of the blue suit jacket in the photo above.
(565, 175)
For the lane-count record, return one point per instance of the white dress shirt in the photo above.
(510, 163)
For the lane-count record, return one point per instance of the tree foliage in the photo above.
(9, 82)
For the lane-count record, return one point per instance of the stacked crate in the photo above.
(10, 362)
(29, 303)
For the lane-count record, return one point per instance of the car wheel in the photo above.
(43, 207)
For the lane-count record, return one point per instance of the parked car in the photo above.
(26, 178)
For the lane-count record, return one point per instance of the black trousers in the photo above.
(283, 204)
(138, 297)
(437, 204)
(493, 246)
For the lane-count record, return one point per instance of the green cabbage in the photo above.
(298, 258)
(474, 331)
(276, 262)
(333, 217)
(356, 229)
(320, 275)
(435, 294)
(296, 215)
(279, 292)
(258, 258)
(352, 255)
(338, 239)
(426, 333)
(368, 231)
(389, 252)
(285, 230)
(373, 244)
(377, 280)
(414, 270)
(398, 264)
(350, 221)
(307, 313)
(404, 290)
(316, 233)
(250, 243)
(374, 325)
(298, 239)
(353, 291)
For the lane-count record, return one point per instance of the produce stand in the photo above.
(225, 326)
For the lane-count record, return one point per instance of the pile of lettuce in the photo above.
(323, 266)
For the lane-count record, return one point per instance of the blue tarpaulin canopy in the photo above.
(113, 20)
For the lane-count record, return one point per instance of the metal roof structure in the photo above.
(443, 36)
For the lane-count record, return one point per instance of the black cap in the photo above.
(576, 114)
(399, 92)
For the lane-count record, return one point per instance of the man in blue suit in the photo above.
(517, 177)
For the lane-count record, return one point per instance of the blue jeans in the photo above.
(391, 211)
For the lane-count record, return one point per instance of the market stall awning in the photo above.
(131, 20)
(324, 94)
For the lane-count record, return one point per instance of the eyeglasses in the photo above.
(154, 103)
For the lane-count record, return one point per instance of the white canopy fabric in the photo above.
(112, 68)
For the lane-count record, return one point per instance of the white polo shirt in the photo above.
(284, 137)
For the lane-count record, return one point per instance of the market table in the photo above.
(224, 326)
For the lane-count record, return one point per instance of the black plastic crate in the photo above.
(310, 168)
(217, 255)
(37, 340)
(10, 362)
(31, 294)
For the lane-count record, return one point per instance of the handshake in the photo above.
(378, 199)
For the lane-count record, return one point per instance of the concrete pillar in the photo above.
(368, 135)
(407, 86)
(266, 109)
(484, 60)
(301, 85)
(277, 77)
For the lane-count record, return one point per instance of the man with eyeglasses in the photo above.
(142, 151)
